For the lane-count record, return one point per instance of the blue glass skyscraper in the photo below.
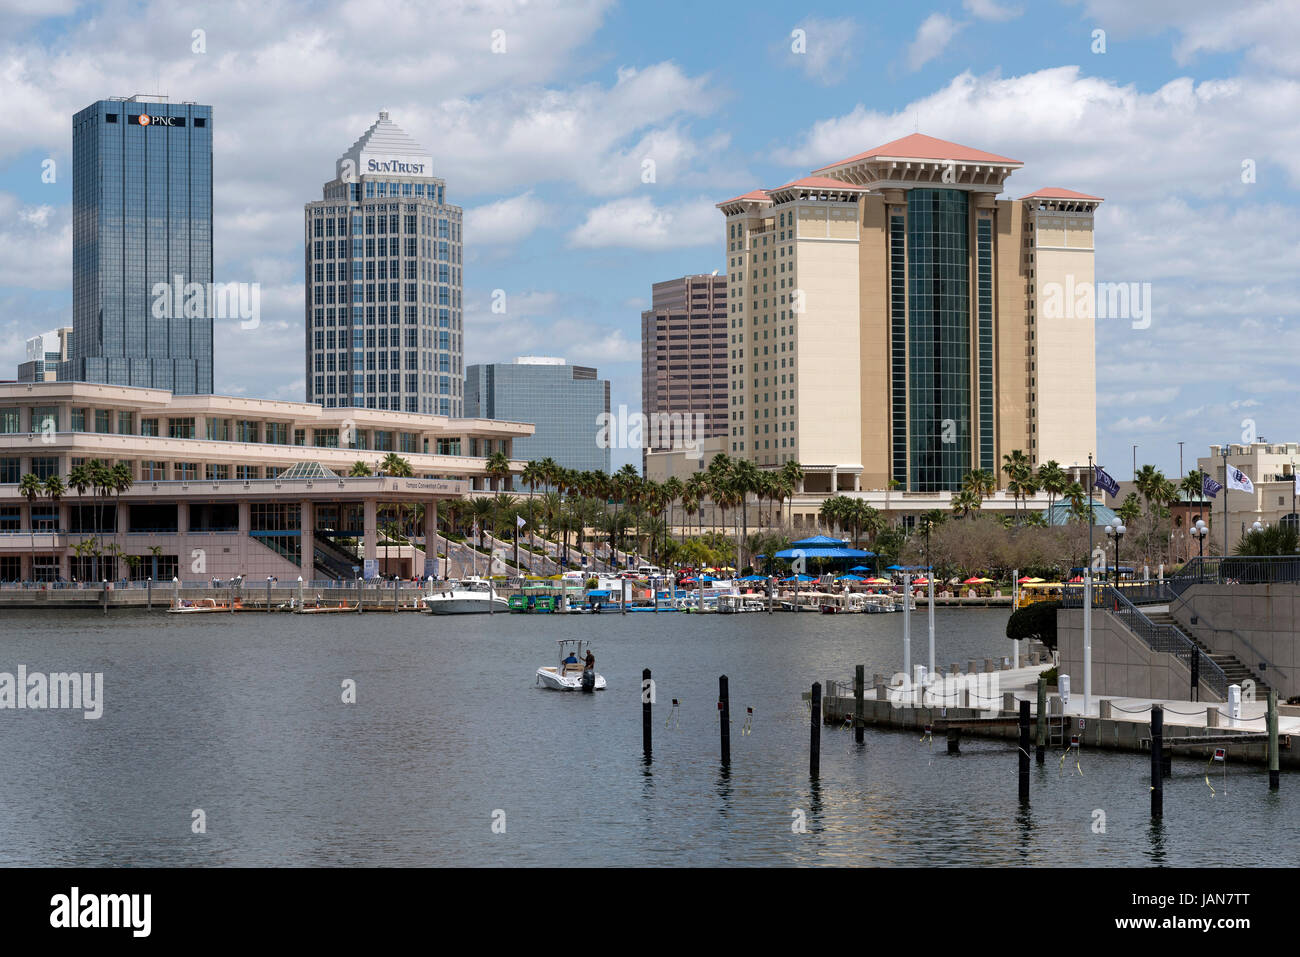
(142, 216)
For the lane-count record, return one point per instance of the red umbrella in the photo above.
(920, 581)
(971, 581)
(1075, 579)
(1021, 581)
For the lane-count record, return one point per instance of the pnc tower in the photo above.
(383, 282)
(141, 216)
(885, 320)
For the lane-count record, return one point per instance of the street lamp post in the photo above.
(1115, 530)
(1199, 531)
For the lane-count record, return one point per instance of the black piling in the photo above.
(1157, 750)
(646, 706)
(815, 741)
(859, 709)
(1024, 752)
(1274, 775)
(724, 718)
(1041, 747)
(954, 740)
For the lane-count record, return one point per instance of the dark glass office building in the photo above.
(568, 404)
(142, 219)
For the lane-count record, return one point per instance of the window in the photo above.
(45, 418)
(181, 428)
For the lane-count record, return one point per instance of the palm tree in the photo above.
(359, 470)
(54, 490)
(673, 490)
(1052, 479)
(396, 466)
(965, 502)
(532, 476)
(120, 480)
(482, 510)
(980, 482)
(81, 478)
(30, 487)
(156, 552)
(1018, 471)
(1077, 496)
(1148, 483)
(745, 478)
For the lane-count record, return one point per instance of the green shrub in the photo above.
(1051, 674)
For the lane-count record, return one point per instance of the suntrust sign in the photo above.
(403, 167)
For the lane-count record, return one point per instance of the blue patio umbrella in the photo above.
(859, 568)
(850, 578)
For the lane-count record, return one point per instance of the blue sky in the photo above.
(545, 143)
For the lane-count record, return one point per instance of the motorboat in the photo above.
(200, 606)
(468, 596)
(570, 675)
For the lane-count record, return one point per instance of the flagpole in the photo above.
(1092, 520)
(1225, 501)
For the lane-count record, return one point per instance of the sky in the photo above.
(590, 141)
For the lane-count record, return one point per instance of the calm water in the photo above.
(241, 716)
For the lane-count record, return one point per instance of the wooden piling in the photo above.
(859, 709)
(1024, 752)
(1157, 747)
(815, 741)
(646, 706)
(1274, 776)
(724, 719)
(954, 740)
(1040, 748)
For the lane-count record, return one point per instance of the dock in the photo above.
(986, 704)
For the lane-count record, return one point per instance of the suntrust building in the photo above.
(383, 271)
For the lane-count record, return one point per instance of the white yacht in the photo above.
(469, 596)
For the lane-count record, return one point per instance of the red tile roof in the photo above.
(824, 182)
(920, 146)
(752, 194)
(1056, 192)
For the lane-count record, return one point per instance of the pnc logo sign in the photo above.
(146, 120)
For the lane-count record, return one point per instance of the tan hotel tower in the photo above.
(885, 320)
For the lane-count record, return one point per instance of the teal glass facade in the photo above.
(984, 307)
(939, 348)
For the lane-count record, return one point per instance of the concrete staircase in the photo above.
(1233, 669)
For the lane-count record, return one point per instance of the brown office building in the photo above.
(684, 362)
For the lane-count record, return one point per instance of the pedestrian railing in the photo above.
(1168, 639)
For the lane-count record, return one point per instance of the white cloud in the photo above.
(1091, 133)
(932, 38)
(637, 223)
(505, 221)
(1267, 30)
(990, 10)
(35, 245)
(828, 48)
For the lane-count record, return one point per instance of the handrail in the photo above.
(1168, 639)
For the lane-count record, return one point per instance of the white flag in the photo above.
(1237, 479)
(519, 521)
